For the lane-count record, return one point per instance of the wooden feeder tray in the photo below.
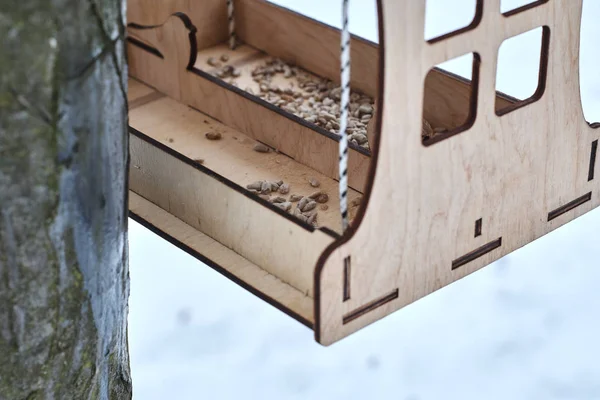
(424, 213)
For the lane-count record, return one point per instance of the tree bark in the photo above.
(64, 276)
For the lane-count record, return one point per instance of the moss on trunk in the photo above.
(64, 277)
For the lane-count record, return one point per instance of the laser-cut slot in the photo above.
(347, 278)
(569, 206)
(593, 160)
(475, 254)
(359, 312)
(478, 227)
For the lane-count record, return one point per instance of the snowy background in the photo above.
(526, 327)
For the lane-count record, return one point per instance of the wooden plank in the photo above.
(137, 90)
(183, 129)
(515, 177)
(225, 261)
(210, 203)
(208, 16)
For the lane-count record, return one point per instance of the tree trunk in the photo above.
(64, 277)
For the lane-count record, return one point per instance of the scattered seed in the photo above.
(213, 62)
(255, 185)
(285, 206)
(261, 148)
(284, 188)
(224, 58)
(278, 199)
(213, 135)
(323, 198)
(199, 160)
(315, 194)
(314, 183)
(171, 140)
(295, 197)
(426, 130)
(309, 206)
(265, 197)
(356, 202)
(324, 207)
(303, 203)
(265, 187)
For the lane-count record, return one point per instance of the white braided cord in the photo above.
(231, 20)
(345, 110)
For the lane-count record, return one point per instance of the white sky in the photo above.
(526, 327)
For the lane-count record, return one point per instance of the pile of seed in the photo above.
(316, 99)
(226, 72)
(306, 206)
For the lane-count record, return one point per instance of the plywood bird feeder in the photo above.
(435, 207)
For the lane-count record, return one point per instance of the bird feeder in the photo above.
(442, 180)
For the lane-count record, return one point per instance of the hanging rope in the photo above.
(231, 18)
(344, 106)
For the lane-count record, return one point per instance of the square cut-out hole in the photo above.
(445, 18)
(450, 98)
(521, 72)
(511, 7)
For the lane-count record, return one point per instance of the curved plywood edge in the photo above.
(209, 16)
(223, 260)
(157, 52)
(466, 201)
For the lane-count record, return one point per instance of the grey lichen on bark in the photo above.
(64, 276)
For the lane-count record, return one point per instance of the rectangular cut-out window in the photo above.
(450, 109)
(589, 78)
(445, 18)
(511, 7)
(521, 72)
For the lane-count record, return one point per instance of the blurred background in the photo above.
(526, 327)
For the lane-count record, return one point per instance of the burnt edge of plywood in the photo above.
(187, 23)
(524, 8)
(218, 268)
(552, 215)
(347, 235)
(146, 47)
(371, 306)
(232, 185)
(474, 24)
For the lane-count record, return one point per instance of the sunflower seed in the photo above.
(213, 135)
(261, 148)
